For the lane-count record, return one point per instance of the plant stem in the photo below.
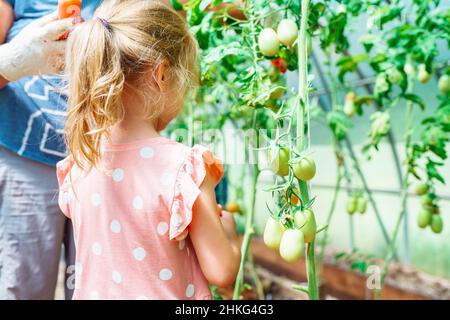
(367, 190)
(404, 193)
(249, 232)
(303, 110)
(255, 277)
(324, 241)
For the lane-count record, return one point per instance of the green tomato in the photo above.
(287, 32)
(422, 75)
(307, 223)
(292, 245)
(426, 200)
(423, 219)
(444, 83)
(409, 69)
(305, 169)
(422, 189)
(351, 205)
(381, 84)
(268, 42)
(279, 161)
(436, 223)
(361, 205)
(273, 233)
(394, 75)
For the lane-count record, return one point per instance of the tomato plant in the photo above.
(247, 66)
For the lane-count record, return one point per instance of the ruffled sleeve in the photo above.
(62, 172)
(190, 177)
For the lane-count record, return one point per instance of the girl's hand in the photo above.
(36, 50)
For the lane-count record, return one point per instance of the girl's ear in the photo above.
(161, 76)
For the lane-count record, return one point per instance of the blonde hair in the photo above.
(106, 57)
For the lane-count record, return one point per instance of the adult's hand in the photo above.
(37, 49)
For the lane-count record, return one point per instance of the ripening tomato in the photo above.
(306, 222)
(349, 106)
(268, 42)
(444, 83)
(424, 218)
(273, 233)
(69, 8)
(294, 198)
(281, 64)
(233, 207)
(292, 245)
(287, 32)
(305, 169)
(279, 160)
(422, 189)
(422, 75)
(436, 223)
(278, 93)
(361, 205)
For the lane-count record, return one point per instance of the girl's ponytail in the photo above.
(115, 51)
(96, 84)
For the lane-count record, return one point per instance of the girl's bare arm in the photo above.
(214, 239)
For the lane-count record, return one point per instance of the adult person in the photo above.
(32, 111)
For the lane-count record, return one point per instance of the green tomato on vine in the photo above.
(306, 222)
(268, 42)
(304, 169)
(279, 160)
(292, 245)
(273, 232)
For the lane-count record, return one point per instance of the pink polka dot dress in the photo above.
(131, 220)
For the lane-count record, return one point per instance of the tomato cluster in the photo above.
(356, 203)
(291, 241)
(430, 213)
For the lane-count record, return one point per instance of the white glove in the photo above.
(36, 50)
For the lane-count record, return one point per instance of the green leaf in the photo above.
(415, 99)
(339, 123)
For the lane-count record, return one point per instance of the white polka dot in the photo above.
(116, 277)
(167, 179)
(94, 295)
(189, 168)
(165, 274)
(96, 200)
(176, 220)
(147, 153)
(138, 203)
(162, 228)
(118, 175)
(139, 254)
(190, 290)
(115, 226)
(97, 249)
(181, 244)
(142, 298)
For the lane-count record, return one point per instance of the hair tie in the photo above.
(105, 23)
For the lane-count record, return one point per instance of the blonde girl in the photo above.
(146, 222)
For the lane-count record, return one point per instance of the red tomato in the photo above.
(280, 64)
